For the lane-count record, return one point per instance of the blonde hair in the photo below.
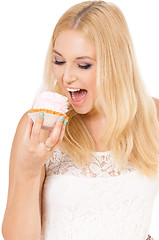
(132, 130)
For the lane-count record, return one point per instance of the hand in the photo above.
(149, 238)
(33, 154)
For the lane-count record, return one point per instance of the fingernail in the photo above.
(65, 121)
(61, 119)
(41, 115)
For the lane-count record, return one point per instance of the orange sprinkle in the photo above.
(47, 111)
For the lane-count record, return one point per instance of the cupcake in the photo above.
(52, 105)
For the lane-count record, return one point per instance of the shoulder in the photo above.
(21, 127)
(156, 101)
(23, 120)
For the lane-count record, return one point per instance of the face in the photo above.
(74, 66)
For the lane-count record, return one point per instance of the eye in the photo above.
(86, 66)
(58, 62)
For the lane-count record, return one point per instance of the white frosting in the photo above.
(51, 101)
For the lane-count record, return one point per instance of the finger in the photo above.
(61, 134)
(51, 151)
(37, 127)
(28, 130)
(55, 134)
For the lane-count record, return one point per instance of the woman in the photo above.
(99, 178)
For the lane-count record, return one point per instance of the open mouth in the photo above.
(77, 95)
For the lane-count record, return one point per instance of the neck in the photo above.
(95, 124)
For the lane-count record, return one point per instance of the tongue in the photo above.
(79, 95)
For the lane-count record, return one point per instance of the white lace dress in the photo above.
(98, 202)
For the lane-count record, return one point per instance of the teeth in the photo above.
(73, 90)
(73, 97)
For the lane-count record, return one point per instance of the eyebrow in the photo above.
(82, 57)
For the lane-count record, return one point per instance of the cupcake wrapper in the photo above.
(49, 119)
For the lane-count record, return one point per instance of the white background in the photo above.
(25, 31)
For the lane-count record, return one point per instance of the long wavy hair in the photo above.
(132, 130)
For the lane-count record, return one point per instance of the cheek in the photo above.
(92, 81)
(59, 82)
(94, 88)
(57, 73)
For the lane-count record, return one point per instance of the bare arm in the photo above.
(22, 219)
(156, 101)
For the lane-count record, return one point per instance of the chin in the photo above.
(83, 110)
(80, 111)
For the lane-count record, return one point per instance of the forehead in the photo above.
(75, 43)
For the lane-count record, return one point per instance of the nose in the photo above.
(69, 75)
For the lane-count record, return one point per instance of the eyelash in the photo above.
(80, 66)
